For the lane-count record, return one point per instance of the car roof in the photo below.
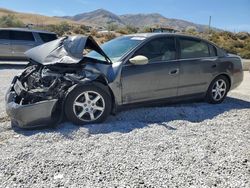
(27, 30)
(150, 35)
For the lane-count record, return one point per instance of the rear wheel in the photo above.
(88, 104)
(218, 90)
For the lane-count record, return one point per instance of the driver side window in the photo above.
(160, 49)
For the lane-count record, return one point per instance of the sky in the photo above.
(233, 15)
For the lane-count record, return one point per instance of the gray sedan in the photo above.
(64, 79)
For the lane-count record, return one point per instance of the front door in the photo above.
(156, 80)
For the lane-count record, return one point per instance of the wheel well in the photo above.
(228, 78)
(103, 81)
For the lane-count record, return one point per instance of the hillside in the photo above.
(103, 17)
(98, 17)
(36, 19)
(141, 20)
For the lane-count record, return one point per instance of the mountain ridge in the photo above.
(102, 17)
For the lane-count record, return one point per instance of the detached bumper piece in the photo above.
(38, 114)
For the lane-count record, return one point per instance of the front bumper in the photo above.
(32, 115)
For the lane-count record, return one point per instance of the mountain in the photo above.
(103, 17)
(141, 20)
(98, 17)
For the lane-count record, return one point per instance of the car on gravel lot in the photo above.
(15, 41)
(75, 78)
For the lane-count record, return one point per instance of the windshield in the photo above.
(116, 48)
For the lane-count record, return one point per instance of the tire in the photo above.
(218, 90)
(88, 104)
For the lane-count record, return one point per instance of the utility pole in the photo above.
(209, 24)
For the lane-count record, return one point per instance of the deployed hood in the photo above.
(67, 50)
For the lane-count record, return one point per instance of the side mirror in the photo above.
(139, 60)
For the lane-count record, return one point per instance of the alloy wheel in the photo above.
(89, 106)
(219, 89)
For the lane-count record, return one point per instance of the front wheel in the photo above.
(88, 104)
(218, 90)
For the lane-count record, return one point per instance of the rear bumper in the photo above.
(237, 79)
(32, 115)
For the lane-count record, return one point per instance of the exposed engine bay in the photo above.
(38, 82)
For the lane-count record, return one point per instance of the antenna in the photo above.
(209, 24)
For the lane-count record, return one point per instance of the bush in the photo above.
(10, 21)
(93, 32)
(243, 35)
(146, 30)
(191, 30)
(64, 28)
(127, 30)
(109, 36)
(131, 29)
(112, 27)
(78, 31)
(122, 31)
(104, 37)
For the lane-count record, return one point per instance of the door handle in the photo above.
(214, 66)
(173, 72)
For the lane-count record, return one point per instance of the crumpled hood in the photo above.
(67, 50)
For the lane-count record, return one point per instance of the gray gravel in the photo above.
(183, 145)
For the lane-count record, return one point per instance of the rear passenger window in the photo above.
(22, 35)
(4, 35)
(212, 50)
(193, 49)
(160, 49)
(47, 37)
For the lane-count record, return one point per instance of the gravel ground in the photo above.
(246, 64)
(182, 145)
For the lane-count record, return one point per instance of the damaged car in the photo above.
(74, 78)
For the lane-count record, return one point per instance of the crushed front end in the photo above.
(35, 98)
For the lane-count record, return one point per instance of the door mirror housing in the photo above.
(139, 60)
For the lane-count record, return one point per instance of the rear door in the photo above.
(156, 80)
(5, 45)
(21, 41)
(197, 64)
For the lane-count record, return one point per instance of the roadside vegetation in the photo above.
(10, 21)
(237, 43)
